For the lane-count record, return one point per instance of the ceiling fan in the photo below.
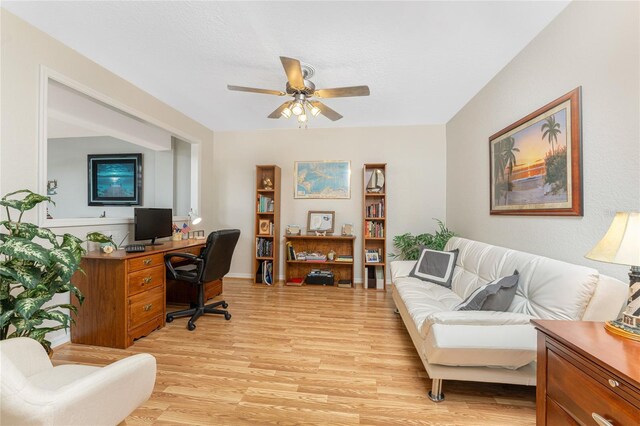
(302, 90)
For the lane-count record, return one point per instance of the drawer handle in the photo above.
(147, 308)
(147, 261)
(614, 383)
(601, 420)
(146, 280)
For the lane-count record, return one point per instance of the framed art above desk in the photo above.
(126, 294)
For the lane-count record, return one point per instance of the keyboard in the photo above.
(134, 248)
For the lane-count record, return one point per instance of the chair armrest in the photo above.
(167, 261)
(110, 394)
(477, 318)
(401, 268)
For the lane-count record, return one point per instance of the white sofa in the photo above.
(34, 392)
(488, 346)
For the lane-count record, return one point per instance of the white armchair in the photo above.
(32, 391)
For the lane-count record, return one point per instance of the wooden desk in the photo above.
(126, 293)
(584, 373)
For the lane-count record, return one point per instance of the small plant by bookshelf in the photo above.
(267, 224)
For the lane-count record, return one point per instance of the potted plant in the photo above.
(408, 245)
(32, 274)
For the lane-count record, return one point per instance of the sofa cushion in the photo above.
(506, 346)
(547, 288)
(424, 298)
(435, 266)
(494, 296)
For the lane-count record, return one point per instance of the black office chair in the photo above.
(212, 264)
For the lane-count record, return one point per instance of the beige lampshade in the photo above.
(621, 243)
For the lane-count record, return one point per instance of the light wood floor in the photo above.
(302, 355)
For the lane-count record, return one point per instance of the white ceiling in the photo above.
(423, 61)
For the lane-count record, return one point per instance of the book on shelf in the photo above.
(375, 210)
(264, 247)
(344, 283)
(267, 272)
(291, 252)
(344, 258)
(374, 229)
(295, 281)
(265, 204)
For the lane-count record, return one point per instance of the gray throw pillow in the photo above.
(494, 296)
(435, 266)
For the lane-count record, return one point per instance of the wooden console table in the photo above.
(126, 294)
(341, 245)
(586, 376)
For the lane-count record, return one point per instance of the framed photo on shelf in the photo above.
(372, 257)
(264, 227)
(320, 221)
(536, 162)
(322, 179)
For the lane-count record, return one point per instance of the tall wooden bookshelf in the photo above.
(267, 223)
(374, 232)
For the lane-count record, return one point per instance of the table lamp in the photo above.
(621, 245)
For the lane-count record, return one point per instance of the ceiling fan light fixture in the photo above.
(302, 118)
(286, 113)
(314, 110)
(297, 108)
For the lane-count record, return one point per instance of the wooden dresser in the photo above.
(125, 294)
(586, 376)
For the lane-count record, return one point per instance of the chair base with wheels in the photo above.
(212, 264)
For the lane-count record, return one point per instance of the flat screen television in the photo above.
(150, 224)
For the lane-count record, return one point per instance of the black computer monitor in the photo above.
(150, 224)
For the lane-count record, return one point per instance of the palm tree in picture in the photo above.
(509, 160)
(550, 130)
(498, 171)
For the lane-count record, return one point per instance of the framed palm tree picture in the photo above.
(536, 163)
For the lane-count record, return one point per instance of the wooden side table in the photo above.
(586, 376)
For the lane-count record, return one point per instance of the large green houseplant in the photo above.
(408, 245)
(32, 274)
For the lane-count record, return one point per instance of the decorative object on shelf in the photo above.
(106, 248)
(322, 179)
(115, 179)
(35, 274)
(376, 181)
(293, 230)
(331, 255)
(621, 245)
(536, 162)
(266, 183)
(264, 227)
(409, 246)
(320, 221)
(347, 229)
(52, 185)
(301, 88)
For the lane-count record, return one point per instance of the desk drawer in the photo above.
(145, 306)
(143, 262)
(582, 394)
(145, 279)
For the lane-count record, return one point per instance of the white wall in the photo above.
(67, 163)
(590, 44)
(415, 179)
(181, 177)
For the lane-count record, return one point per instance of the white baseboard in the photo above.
(60, 339)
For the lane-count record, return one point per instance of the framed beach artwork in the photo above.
(322, 179)
(114, 179)
(536, 163)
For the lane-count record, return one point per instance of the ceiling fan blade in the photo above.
(326, 111)
(276, 113)
(294, 72)
(342, 92)
(254, 90)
